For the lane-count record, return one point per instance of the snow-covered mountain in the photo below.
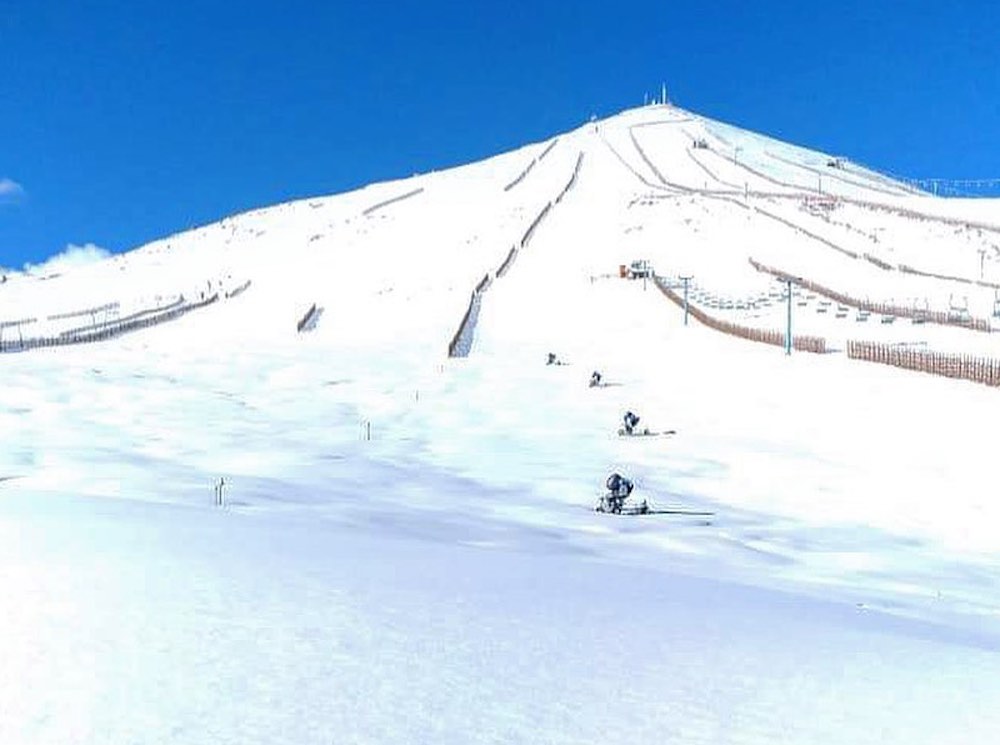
(692, 195)
(407, 549)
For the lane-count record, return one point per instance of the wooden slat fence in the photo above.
(393, 200)
(461, 340)
(814, 344)
(103, 331)
(308, 321)
(984, 370)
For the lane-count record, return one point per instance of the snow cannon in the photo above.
(619, 490)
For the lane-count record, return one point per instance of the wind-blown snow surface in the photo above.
(446, 580)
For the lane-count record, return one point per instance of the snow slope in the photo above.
(408, 550)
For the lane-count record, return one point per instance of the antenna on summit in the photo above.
(663, 94)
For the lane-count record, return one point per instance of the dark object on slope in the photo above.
(310, 319)
(645, 432)
(631, 421)
(620, 489)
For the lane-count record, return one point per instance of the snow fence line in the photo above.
(807, 233)
(628, 166)
(666, 182)
(913, 214)
(887, 309)
(385, 203)
(984, 370)
(870, 257)
(852, 166)
(525, 238)
(800, 192)
(749, 169)
(521, 176)
(511, 255)
(878, 262)
(104, 331)
(949, 277)
(543, 213)
(548, 149)
(19, 322)
(308, 321)
(894, 192)
(85, 312)
(572, 179)
(534, 161)
(138, 315)
(238, 290)
(814, 344)
(461, 341)
(646, 160)
(711, 174)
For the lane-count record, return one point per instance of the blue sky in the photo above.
(123, 122)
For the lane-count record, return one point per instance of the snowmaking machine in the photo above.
(615, 502)
(619, 490)
(630, 428)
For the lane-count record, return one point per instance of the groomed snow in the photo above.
(408, 550)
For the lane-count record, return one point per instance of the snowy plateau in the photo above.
(304, 476)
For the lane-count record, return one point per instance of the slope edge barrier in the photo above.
(104, 331)
(807, 233)
(897, 192)
(385, 203)
(308, 321)
(461, 341)
(534, 161)
(628, 166)
(949, 277)
(985, 370)
(814, 344)
(85, 312)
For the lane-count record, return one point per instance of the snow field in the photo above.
(181, 638)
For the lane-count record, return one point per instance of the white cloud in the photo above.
(71, 258)
(10, 189)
